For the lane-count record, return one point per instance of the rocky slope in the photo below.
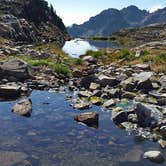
(30, 21)
(113, 20)
(138, 36)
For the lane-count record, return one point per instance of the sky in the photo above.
(79, 11)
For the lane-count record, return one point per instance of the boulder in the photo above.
(87, 80)
(10, 91)
(163, 81)
(154, 156)
(120, 117)
(148, 115)
(143, 80)
(23, 107)
(16, 68)
(91, 119)
(163, 131)
(105, 80)
(89, 59)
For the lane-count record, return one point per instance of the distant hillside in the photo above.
(113, 20)
(31, 21)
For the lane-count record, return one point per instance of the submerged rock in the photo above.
(91, 119)
(154, 156)
(8, 158)
(23, 107)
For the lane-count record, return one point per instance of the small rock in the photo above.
(154, 156)
(90, 119)
(23, 108)
(109, 103)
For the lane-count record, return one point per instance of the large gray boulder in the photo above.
(16, 68)
(143, 80)
(106, 80)
(148, 115)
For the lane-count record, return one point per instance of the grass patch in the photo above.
(61, 69)
(95, 54)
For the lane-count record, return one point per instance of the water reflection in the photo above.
(78, 47)
(50, 137)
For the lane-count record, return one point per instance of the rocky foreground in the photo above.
(97, 85)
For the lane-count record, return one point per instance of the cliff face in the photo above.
(31, 21)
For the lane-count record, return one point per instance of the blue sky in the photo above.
(79, 11)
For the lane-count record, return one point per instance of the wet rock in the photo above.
(96, 100)
(163, 131)
(148, 115)
(109, 103)
(162, 143)
(105, 80)
(23, 107)
(16, 68)
(82, 105)
(91, 119)
(154, 156)
(120, 117)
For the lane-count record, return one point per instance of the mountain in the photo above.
(156, 17)
(113, 20)
(31, 21)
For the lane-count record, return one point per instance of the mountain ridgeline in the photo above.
(113, 20)
(31, 21)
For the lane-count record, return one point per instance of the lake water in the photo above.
(78, 47)
(51, 137)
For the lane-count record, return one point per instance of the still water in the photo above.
(50, 137)
(78, 47)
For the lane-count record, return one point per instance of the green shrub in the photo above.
(61, 69)
(155, 59)
(95, 54)
(78, 61)
(40, 62)
(123, 53)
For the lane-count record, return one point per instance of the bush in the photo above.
(40, 62)
(78, 61)
(95, 54)
(155, 59)
(61, 69)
